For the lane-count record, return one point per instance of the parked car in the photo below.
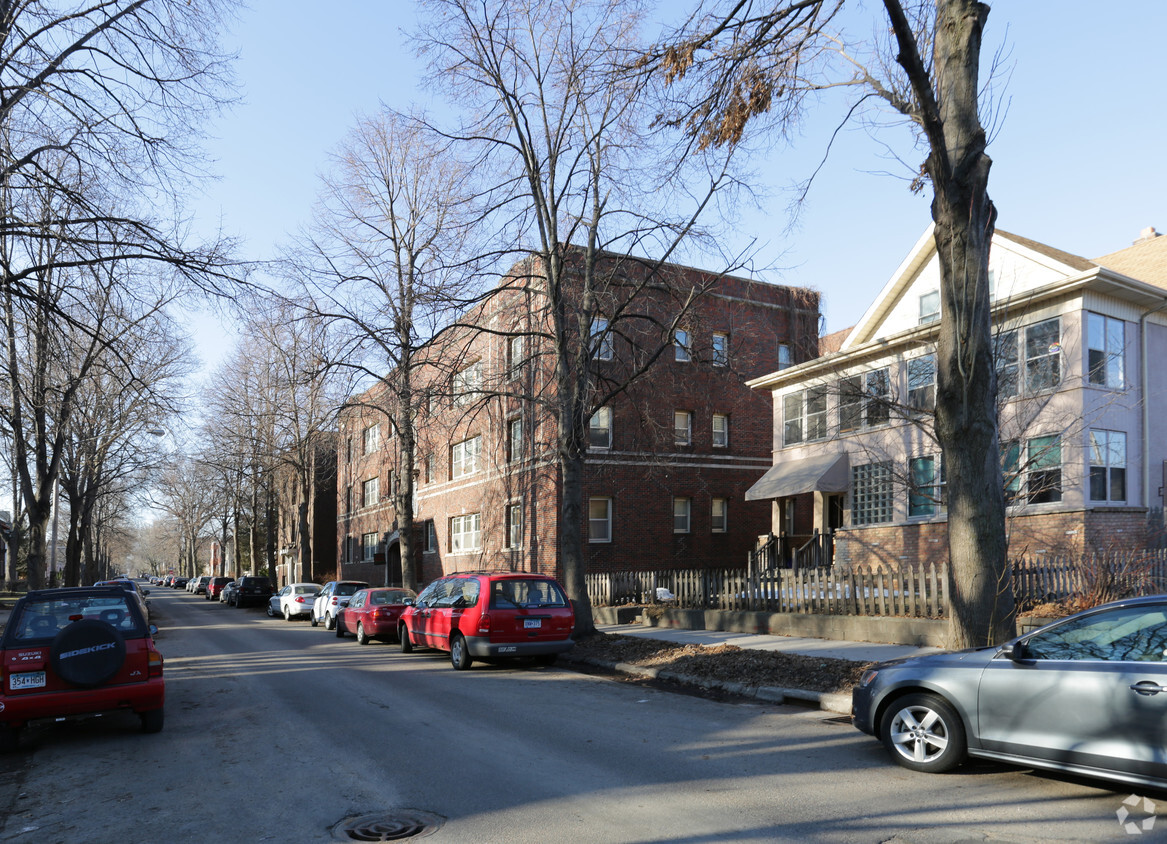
(250, 589)
(178, 582)
(131, 587)
(215, 587)
(295, 599)
(373, 613)
(332, 599)
(1082, 695)
(228, 593)
(78, 652)
(487, 615)
(200, 585)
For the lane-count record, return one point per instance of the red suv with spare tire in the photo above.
(74, 653)
(488, 615)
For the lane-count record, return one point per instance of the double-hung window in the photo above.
(1043, 356)
(1107, 466)
(929, 307)
(368, 547)
(720, 349)
(372, 438)
(719, 515)
(371, 492)
(464, 457)
(926, 494)
(467, 384)
(682, 508)
(600, 429)
(804, 416)
(599, 520)
(515, 440)
(720, 430)
(922, 384)
(1043, 479)
(514, 356)
(682, 345)
(465, 533)
(864, 400)
(431, 537)
(1107, 344)
(683, 427)
(514, 525)
(602, 348)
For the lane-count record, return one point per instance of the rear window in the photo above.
(43, 620)
(350, 588)
(306, 590)
(393, 597)
(506, 594)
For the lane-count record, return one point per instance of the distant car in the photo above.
(1083, 695)
(251, 589)
(293, 600)
(227, 596)
(131, 587)
(200, 585)
(178, 582)
(78, 652)
(373, 613)
(216, 586)
(332, 599)
(488, 615)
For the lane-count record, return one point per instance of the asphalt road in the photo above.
(278, 732)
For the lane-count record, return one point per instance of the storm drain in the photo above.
(394, 826)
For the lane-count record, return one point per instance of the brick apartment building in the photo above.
(669, 458)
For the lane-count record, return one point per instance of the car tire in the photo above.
(362, 639)
(88, 653)
(403, 640)
(339, 625)
(9, 739)
(287, 614)
(152, 721)
(271, 612)
(459, 654)
(924, 733)
(312, 618)
(329, 621)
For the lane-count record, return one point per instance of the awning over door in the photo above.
(829, 473)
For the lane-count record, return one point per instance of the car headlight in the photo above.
(867, 677)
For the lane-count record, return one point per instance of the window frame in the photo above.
(1111, 363)
(431, 537)
(514, 525)
(466, 384)
(605, 520)
(371, 438)
(682, 514)
(927, 495)
(515, 439)
(1107, 452)
(601, 339)
(465, 461)
(872, 494)
(369, 550)
(860, 406)
(687, 430)
(929, 307)
(721, 441)
(720, 348)
(606, 412)
(1040, 361)
(371, 491)
(921, 372)
(682, 345)
(515, 359)
(719, 522)
(1044, 470)
(466, 527)
(812, 414)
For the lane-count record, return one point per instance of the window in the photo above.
(1006, 359)
(926, 495)
(514, 356)
(371, 492)
(464, 457)
(720, 349)
(515, 440)
(681, 512)
(1107, 466)
(1011, 469)
(785, 358)
(348, 450)
(871, 494)
(922, 384)
(720, 430)
(465, 533)
(429, 468)
(1043, 356)
(1107, 343)
(372, 438)
(390, 484)
(1043, 481)
(601, 339)
(930, 307)
(599, 520)
(719, 515)
(514, 525)
(467, 384)
(368, 547)
(431, 537)
(863, 400)
(682, 347)
(804, 416)
(348, 498)
(682, 427)
(600, 429)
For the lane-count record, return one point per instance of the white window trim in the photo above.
(724, 418)
(687, 439)
(686, 507)
(466, 533)
(606, 520)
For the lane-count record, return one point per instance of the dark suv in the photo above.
(250, 589)
(73, 653)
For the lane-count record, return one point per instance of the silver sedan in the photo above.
(293, 600)
(1085, 695)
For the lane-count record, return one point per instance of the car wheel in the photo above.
(329, 622)
(312, 617)
(88, 653)
(339, 625)
(271, 611)
(924, 733)
(403, 640)
(152, 721)
(362, 639)
(9, 739)
(287, 614)
(459, 653)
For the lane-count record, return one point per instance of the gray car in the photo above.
(1085, 695)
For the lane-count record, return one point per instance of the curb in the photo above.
(827, 701)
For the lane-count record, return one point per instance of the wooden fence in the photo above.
(914, 591)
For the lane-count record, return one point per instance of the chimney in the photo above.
(1146, 234)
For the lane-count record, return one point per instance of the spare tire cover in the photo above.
(88, 653)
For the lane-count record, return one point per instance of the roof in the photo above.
(1146, 260)
(832, 342)
(1070, 260)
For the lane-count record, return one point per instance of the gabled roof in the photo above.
(1146, 260)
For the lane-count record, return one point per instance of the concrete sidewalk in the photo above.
(829, 701)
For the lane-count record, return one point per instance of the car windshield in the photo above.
(526, 593)
(42, 620)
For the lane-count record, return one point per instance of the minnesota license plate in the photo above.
(532, 623)
(29, 680)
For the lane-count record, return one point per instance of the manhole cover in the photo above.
(387, 826)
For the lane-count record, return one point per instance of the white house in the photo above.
(1079, 343)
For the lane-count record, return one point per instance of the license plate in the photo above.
(508, 649)
(31, 680)
(532, 623)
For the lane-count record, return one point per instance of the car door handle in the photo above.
(1147, 687)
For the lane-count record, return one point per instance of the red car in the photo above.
(215, 587)
(373, 613)
(73, 653)
(488, 615)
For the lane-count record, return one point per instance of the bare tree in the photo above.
(574, 177)
(763, 58)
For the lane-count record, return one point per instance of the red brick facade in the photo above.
(500, 499)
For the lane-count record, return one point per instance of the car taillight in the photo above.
(301, 600)
(484, 623)
(335, 601)
(155, 664)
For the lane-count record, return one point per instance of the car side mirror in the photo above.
(407, 602)
(153, 629)
(1018, 652)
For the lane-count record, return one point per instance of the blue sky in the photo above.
(1078, 157)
